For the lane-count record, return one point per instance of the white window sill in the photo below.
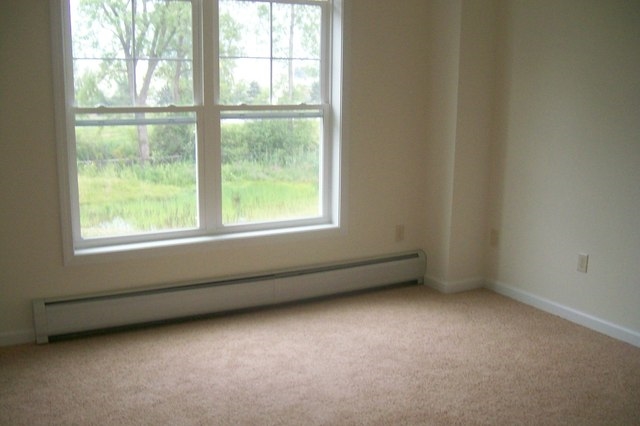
(176, 246)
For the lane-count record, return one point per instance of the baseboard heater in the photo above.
(55, 317)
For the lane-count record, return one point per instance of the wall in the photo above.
(464, 116)
(461, 83)
(473, 131)
(385, 174)
(443, 45)
(567, 157)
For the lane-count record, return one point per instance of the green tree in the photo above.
(134, 40)
(230, 32)
(296, 37)
(288, 37)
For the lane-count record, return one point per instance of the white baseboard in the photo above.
(573, 315)
(11, 338)
(449, 287)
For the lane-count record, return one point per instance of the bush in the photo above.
(173, 141)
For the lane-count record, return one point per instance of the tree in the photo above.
(134, 41)
(283, 40)
(138, 53)
(230, 32)
(287, 37)
(296, 38)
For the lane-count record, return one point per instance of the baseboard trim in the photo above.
(449, 287)
(11, 338)
(594, 323)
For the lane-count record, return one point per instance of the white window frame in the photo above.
(208, 160)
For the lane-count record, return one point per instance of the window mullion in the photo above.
(210, 164)
(327, 158)
(198, 87)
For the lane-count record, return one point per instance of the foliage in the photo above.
(269, 53)
(117, 199)
(274, 142)
(173, 141)
(136, 42)
(95, 144)
(253, 201)
(120, 199)
(130, 52)
(119, 143)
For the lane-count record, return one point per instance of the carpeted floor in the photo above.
(405, 355)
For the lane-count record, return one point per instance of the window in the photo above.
(184, 119)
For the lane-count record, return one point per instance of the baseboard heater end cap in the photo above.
(40, 321)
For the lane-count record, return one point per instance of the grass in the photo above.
(257, 201)
(120, 200)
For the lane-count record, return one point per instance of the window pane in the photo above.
(98, 82)
(296, 31)
(172, 82)
(95, 31)
(245, 52)
(244, 29)
(245, 81)
(296, 82)
(128, 53)
(270, 169)
(136, 173)
(269, 53)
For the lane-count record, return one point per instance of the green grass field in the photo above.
(123, 200)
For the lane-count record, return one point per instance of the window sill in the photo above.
(178, 246)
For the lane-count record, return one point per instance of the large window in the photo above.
(197, 118)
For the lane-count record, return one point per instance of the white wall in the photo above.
(465, 115)
(461, 112)
(386, 139)
(473, 131)
(567, 155)
(443, 45)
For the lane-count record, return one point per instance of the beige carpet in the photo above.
(398, 356)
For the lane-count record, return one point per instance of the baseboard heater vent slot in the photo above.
(63, 316)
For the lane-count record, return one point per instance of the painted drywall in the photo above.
(567, 155)
(386, 97)
(443, 46)
(461, 111)
(474, 122)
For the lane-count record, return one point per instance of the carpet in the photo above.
(404, 355)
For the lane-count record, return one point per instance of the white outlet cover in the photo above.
(583, 262)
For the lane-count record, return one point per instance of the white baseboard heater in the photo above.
(56, 317)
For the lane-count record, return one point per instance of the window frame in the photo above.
(208, 144)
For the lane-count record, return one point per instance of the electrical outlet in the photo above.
(583, 262)
(399, 233)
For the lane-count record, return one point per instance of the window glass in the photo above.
(118, 193)
(269, 53)
(129, 53)
(270, 169)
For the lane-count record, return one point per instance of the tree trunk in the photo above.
(143, 140)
